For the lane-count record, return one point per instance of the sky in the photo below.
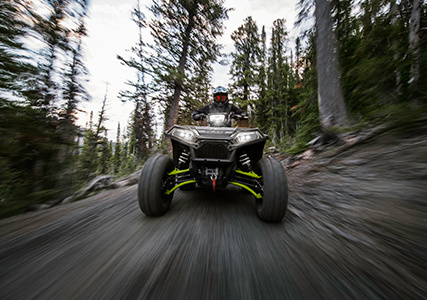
(111, 32)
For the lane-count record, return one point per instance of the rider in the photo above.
(220, 105)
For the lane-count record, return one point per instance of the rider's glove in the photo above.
(243, 115)
(197, 117)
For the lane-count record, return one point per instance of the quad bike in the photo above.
(215, 156)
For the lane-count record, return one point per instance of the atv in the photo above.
(215, 156)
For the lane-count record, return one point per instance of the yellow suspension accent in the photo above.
(177, 171)
(250, 174)
(257, 195)
(179, 185)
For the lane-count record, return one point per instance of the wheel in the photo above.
(272, 206)
(151, 186)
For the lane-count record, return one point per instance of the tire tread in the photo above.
(275, 200)
(150, 199)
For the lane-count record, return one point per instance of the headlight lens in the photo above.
(244, 137)
(184, 134)
(216, 119)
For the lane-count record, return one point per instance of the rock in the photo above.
(100, 183)
(68, 199)
(37, 207)
(130, 180)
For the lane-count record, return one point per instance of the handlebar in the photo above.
(244, 117)
(232, 115)
(197, 117)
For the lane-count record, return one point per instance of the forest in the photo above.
(359, 63)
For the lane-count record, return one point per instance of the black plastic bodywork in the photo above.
(217, 156)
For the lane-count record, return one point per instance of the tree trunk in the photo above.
(332, 110)
(174, 109)
(395, 45)
(414, 40)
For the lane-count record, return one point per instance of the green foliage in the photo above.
(262, 107)
(28, 142)
(12, 50)
(244, 65)
(105, 155)
(117, 153)
(376, 64)
(185, 37)
(280, 84)
(264, 80)
(377, 71)
(101, 156)
(305, 109)
(141, 132)
(37, 137)
(88, 154)
(198, 95)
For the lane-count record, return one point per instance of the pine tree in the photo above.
(377, 76)
(244, 65)
(117, 155)
(346, 28)
(102, 117)
(53, 32)
(332, 109)
(305, 112)
(375, 56)
(279, 82)
(262, 106)
(105, 156)
(30, 96)
(198, 91)
(89, 158)
(12, 50)
(74, 91)
(185, 34)
(142, 133)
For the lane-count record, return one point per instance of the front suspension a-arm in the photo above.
(179, 178)
(250, 181)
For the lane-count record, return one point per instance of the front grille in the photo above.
(218, 151)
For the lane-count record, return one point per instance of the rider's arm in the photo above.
(238, 111)
(200, 113)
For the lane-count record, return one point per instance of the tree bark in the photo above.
(332, 110)
(414, 40)
(174, 109)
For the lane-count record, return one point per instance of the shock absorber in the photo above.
(183, 160)
(245, 162)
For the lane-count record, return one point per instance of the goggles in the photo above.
(220, 98)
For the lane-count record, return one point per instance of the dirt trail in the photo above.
(355, 229)
(366, 206)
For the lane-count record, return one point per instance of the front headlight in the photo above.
(216, 119)
(184, 134)
(245, 137)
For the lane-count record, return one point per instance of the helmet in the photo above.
(220, 95)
